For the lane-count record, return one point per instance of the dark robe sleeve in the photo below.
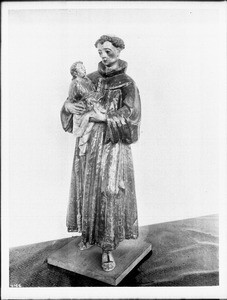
(123, 124)
(66, 119)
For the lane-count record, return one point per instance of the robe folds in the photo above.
(102, 202)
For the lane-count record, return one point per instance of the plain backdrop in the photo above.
(175, 58)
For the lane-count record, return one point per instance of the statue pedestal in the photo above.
(88, 262)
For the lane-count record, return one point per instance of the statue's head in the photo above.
(78, 69)
(109, 48)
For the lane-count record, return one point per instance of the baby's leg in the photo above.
(76, 123)
(85, 138)
(84, 123)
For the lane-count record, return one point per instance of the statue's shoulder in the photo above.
(128, 78)
(120, 81)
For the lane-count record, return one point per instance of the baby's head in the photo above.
(78, 69)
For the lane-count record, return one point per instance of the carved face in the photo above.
(108, 53)
(80, 70)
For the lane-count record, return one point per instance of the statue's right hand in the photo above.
(74, 108)
(70, 107)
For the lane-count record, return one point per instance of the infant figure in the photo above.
(83, 91)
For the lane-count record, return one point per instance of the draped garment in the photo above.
(102, 202)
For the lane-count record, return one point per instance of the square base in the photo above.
(88, 262)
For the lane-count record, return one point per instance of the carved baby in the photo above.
(83, 91)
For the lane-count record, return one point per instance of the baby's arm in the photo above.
(98, 108)
(72, 105)
(72, 91)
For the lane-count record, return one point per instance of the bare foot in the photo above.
(108, 263)
(84, 246)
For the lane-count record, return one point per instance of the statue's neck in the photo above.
(118, 67)
(112, 67)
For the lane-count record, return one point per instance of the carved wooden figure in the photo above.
(102, 204)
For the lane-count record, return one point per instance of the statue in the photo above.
(102, 203)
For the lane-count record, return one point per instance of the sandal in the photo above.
(108, 263)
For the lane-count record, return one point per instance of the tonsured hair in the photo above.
(116, 41)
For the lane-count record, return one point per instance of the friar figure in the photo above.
(102, 203)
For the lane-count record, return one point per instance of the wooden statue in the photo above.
(102, 203)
